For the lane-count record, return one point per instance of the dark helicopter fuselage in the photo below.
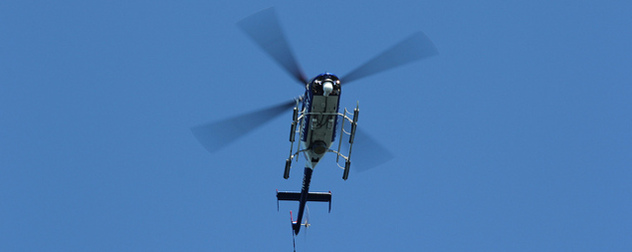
(318, 132)
(318, 126)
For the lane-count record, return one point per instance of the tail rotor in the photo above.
(296, 225)
(306, 223)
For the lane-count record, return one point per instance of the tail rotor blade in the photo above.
(415, 47)
(216, 135)
(264, 28)
(306, 224)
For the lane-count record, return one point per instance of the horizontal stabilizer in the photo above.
(312, 196)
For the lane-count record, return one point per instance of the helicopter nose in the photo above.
(327, 88)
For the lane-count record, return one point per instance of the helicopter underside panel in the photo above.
(319, 127)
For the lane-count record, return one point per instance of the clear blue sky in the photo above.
(516, 137)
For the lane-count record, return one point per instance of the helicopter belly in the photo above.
(319, 126)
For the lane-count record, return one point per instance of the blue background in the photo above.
(516, 137)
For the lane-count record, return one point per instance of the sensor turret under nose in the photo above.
(319, 147)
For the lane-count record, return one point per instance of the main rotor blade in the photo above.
(415, 47)
(263, 27)
(367, 153)
(216, 135)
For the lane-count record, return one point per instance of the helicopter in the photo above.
(316, 118)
